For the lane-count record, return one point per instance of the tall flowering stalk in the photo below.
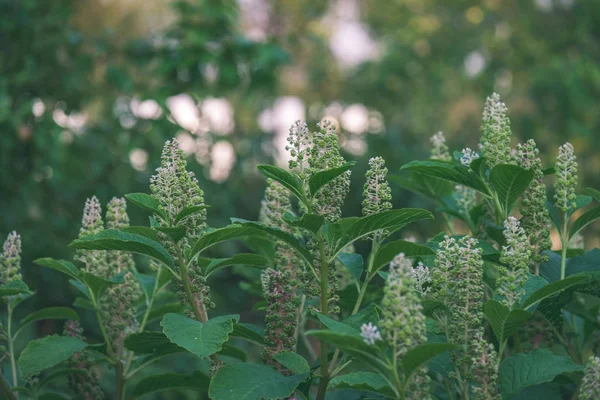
(10, 270)
(403, 322)
(564, 194)
(536, 218)
(83, 384)
(515, 254)
(458, 282)
(485, 370)
(279, 284)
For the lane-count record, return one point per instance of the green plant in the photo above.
(494, 314)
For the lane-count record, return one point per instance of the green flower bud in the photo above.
(590, 384)
(495, 132)
(10, 259)
(516, 255)
(439, 149)
(485, 370)
(566, 178)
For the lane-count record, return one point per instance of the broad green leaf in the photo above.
(527, 369)
(430, 307)
(49, 313)
(230, 232)
(63, 266)
(112, 239)
(145, 231)
(59, 373)
(354, 264)
(367, 314)
(292, 361)
(594, 193)
(320, 179)
(337, 326)
(504, 322)
(509, 181)
(147, 283)
(146, 202)
(584, 220)
(367, 381)
(388, 251)
(186, 212)
(175, 234)
(249, 332)
(252, 382)
(310, 222)
(449, 171)
(276, 233)
(554, 288)
(97, 286)
(427, 186)
(581, 200)
(390, 221)
(353, 345)
(251, 260)
(47, 352)
(155, 343)
(165, 382)
(159, 311)
(285, 178)
(420, 355)
(233, 352)
(533, 284)
(14, 287)
(553, 215)
(545, 391)
(196, 337)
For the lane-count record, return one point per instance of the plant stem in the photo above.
(565, 246)
(324, 310)
(11, 347)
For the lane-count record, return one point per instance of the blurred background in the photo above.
(91, 89)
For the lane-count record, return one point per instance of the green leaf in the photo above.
(233, 352)
(292, 361)
(186, 212)
(527, 369)
(554, 288)
(63, 266)
(47, 352)
(367, 314)
(419, 355)
(155, 343)
(388, 251)
(366, 381)
(165, 382)
(252, 382)
(580, 201)
(353, 345)
(276, 233)
(176, 234)
(112, 239)
(322, 178)
(594, 193)
(146, 202)
(337, 326)
(285, 178)
(426, 186)
(390, 221)
(553, 215)
(145, 231)
(584, 220)
(14, 287)
(249, 332)
(59, 373)
(510, 182)
(97, 286)
(310, 222)
(251, 260)
(504, 322)
(196, 337)
(354, 264)
(49, 313)
(449, 171)
(230, 232)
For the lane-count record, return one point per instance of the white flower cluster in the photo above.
(370, 333)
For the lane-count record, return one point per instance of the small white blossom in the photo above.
(468, 156)
(370, 333)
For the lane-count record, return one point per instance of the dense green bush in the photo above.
(485, 310)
